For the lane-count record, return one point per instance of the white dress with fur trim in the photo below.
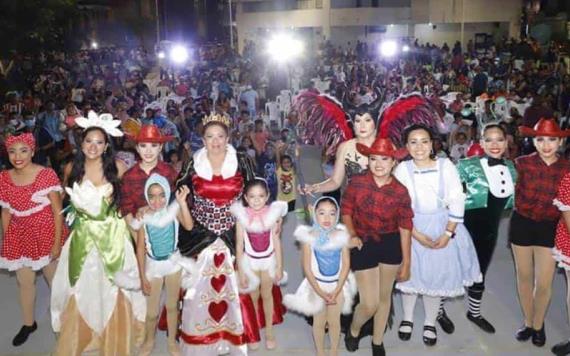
(96, 295)
(259, 252)
(154, 267)
(305, 300)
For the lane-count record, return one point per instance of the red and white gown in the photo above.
(216, 319)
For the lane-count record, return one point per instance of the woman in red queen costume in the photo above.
(215, 318)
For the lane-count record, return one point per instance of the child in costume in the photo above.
(157, 238)
(33, 227)
(259, 256)
(328, 288)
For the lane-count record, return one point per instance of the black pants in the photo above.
(483, 225)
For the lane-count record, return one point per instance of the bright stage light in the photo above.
(283, 47)
(179, 54)
(161, 54)
(405, 48)
(388, 48)
(94, 45)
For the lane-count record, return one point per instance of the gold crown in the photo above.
(215, 117)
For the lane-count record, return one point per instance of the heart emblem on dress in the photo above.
(218, 310)
(218, 282)
(219, 259)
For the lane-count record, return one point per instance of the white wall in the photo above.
(340, 36)
(452, 32)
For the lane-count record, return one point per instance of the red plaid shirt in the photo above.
(132, 186)
(537, 185)
(375, 210)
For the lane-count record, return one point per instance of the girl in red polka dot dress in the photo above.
(561, 250)
(32, 223)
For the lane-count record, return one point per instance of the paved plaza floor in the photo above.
(500, 307)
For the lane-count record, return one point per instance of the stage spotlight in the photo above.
(405, 48)
(161, 54)
(283, 47)
(94, 45)
(388, 48)
(179, 54)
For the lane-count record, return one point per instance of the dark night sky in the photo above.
(182, 19)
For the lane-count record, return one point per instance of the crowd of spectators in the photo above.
(47, 92)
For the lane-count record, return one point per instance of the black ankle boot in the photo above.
(562, 348)
(539, 337)
(23, 334)
(378, 350)
(523, 333)
(351, 342)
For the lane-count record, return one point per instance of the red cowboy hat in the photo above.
(544, 127)
(380, 147)
(150, 133)
(475, 150)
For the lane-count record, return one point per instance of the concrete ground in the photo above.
(500, 307)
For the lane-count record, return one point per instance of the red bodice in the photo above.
(218, 190)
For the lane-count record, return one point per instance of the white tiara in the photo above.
(103, 121)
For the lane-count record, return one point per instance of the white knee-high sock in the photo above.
(431, 306)
(408, 304)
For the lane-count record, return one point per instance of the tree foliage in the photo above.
(29, 26)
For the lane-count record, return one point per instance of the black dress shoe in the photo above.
(404, 336)
(539, 337)
(523, 333)
(428, 341)
(562, 348)
(23, 334)
(445, 323)
(482, 323)
(350, 342)
(378, 350)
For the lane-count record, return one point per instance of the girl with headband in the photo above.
(33, 227)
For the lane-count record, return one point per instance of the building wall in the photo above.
(501, 17)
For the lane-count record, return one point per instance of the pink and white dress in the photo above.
(259, 252)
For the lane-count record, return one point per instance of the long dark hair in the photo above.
(109, 166)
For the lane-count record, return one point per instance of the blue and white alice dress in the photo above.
(437, 197)
(326, 265)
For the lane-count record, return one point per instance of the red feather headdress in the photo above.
(405, 111)
(322, 121)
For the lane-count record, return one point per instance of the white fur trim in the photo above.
(349, 292)
(561, 258)
(252, 279)
(277, 209)
(203, 167)
(170, 216)
(128, 279)
(189, 273)
(305, 301)
(14, 265)
(338, 238)
(40, 197)
(561, 206)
